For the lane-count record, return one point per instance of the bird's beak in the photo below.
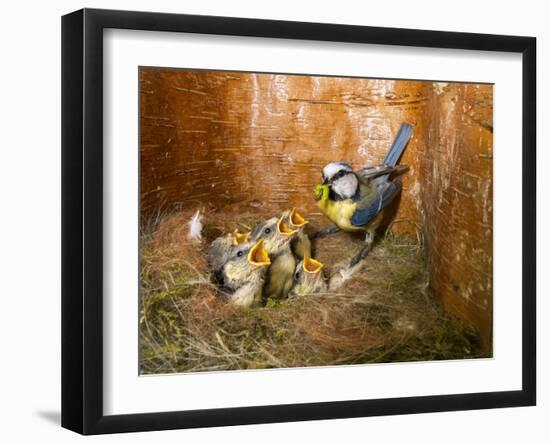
(319, 191)
(240, 238)
(296, 219)
(312, 266)
(283, 228)
(258, 256)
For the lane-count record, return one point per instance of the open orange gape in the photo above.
(240, 143)
(258, 255)
(284, 228)
(312, 266)
(296, 219)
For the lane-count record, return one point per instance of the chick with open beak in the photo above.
(240, 237)
(277, 235)
(243, 274)
(221, 249)
(308, 278)
(300, 244)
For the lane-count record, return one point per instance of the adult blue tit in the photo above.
(355, 200)
(243, 274)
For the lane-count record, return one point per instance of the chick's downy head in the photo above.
(222, 248)
(246, 264)
(308, 278)
(275, 233)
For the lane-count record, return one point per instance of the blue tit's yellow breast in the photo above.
(340, 213)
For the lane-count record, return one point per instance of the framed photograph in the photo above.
(269, 221)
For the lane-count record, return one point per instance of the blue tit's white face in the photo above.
(341, 179)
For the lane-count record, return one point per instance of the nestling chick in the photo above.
(221, 249)
(277, 235)
(308, 278)
(243, 274)
(240, 237)
(300, 244)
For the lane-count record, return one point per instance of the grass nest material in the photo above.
(384, 314)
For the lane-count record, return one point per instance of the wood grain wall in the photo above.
(259, 141)
(457, 201)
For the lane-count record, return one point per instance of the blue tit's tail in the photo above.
(398, 146)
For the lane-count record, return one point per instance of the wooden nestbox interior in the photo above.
(259, 141)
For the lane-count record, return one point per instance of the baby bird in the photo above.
(243, 274)
(308, 278)
(300, 244)
(240, 237)
(277, 235)
(221, 249)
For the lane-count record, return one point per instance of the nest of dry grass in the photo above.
(384, 314)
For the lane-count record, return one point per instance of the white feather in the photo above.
(195, 227)
(346, 186)
(333, 168)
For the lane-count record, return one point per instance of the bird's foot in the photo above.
(343, 274)
(324, 232)
(369, 238)
(337, 279)
(360, 256)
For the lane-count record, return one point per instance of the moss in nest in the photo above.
(386, 313)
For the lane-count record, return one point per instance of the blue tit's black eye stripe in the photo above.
(336, 176)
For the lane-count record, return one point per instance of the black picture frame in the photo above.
(82, 218)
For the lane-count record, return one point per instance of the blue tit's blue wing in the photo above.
(381, 195)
